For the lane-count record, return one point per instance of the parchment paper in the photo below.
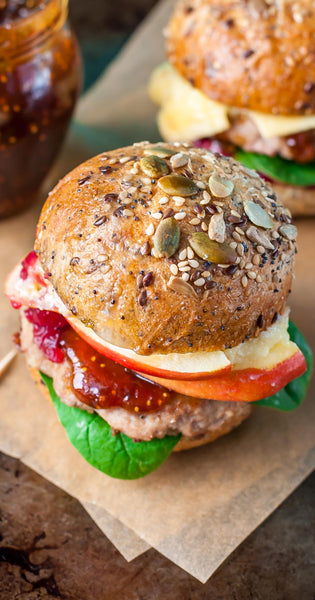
(200, 504)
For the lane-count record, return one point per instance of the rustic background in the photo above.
(49, 546)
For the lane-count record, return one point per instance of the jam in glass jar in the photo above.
(40, 79)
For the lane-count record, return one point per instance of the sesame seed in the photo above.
(102, 257)
(179, 216)
(179, 200)
(199, 282)
(256, 259)
(239, 230)
(242, 263)
(206, 274)
(183, 254)
(240, 249)
(157, 215)
(174, 269)
(201, 185)
(274, 235)
(233, 245)
(235, 214)
(259, 278)
(283, 256)
(244, 281)
(204, 226)
(127, 212)
(183, 263)
(124, 159)
(206, 197)
(251, 274)
(146, 180)
(163, 200)
(190, 252)
(236, 236)
(193, 263)
(150, 229)
(194, 221)
(184, 269)
(261, 249)
(185, 276)
(112, 161)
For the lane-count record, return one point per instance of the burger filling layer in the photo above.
(187, 114)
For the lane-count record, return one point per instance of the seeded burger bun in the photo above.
(255, 62)
(167, 261)
(142, 250)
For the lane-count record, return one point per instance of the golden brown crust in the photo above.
(97, 250)
(223, 423)
(251, 54)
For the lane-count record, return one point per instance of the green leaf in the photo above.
(116, 455)
(279, 169)
(292, 395)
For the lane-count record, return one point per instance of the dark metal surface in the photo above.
(50, 548)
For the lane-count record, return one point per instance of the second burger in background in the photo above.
(241, 81)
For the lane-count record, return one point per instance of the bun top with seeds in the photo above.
(255, 54)
(167, 248)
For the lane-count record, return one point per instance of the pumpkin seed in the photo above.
(159, 151)
(260, 238)
(154, 166)
(257, 215)
(166, 238)
(288, 231)
(179, 285)
(220, 187)
(215, 252)
(177, 185)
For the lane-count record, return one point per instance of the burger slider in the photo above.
(240, 80)
(153, 306)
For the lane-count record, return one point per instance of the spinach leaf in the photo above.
(279, 169)
(292, 395)
(116, 455)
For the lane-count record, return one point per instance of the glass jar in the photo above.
(40, 79)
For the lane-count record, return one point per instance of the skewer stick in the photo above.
(6, 361)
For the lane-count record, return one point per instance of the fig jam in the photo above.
(97, 381)
(101, 383)
(40, 78)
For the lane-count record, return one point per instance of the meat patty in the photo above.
(196, 420)
(243, 133)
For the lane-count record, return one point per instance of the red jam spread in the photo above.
(28, 262)
(40, 78)
(48, 328)
(96, 380)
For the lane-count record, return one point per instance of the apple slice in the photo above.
(245, 385)
(191, 365)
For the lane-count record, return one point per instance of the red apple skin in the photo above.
(138, 367)
(245, 385)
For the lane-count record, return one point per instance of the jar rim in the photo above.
(23, 33)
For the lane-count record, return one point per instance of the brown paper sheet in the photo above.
(200, 504)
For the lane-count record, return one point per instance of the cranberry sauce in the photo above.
(28, 262)
(102, 383)
(48, 328)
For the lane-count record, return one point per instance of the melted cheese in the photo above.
(187, 114)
